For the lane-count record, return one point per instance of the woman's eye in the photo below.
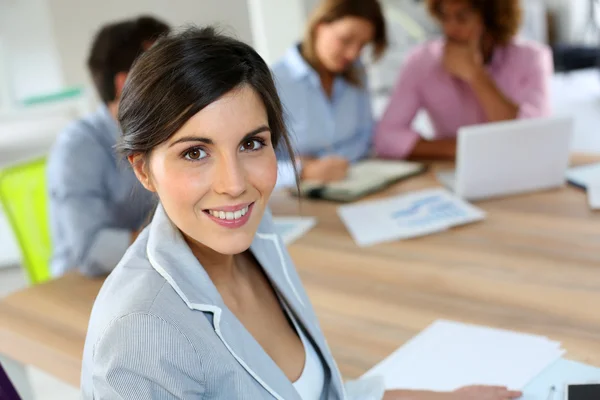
(195, 154)
(251, 145)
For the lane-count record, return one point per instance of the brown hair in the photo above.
(184, 73)
(502, 18)
(333, 10)
(115, 48)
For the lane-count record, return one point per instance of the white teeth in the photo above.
(229, 215)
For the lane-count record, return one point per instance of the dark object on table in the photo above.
(7, 390)
(571, 57)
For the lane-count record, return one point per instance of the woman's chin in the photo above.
(238, 243)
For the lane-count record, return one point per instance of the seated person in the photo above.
(96, 203)
(478, 73)
(207, 304)
(323, 87)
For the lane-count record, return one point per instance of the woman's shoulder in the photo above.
(133, 288)
(424, 57)
(291, 69)
(524, 52)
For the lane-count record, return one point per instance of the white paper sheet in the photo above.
(449, 355)
(593, 192)
(407, 216)
(293, 228)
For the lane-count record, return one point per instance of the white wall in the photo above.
(29, 49)
(571, 18)
(75, 23)
(276, 25)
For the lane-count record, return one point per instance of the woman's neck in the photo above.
(221, 268)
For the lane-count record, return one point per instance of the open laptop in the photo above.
(511, 157)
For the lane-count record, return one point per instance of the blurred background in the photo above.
(44, 44)
(44, 82)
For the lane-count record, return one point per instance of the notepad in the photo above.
(407, 216)
(363, 178)
(293, 228)
(449, 355)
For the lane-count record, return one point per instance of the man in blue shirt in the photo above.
(97, 206)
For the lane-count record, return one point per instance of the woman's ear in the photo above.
(120, 80)
(139, 163)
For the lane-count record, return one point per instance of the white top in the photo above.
(310, 384)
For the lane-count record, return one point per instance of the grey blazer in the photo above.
(160, 330)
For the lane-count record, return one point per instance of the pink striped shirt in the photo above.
(522, 70)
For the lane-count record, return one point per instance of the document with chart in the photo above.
(407, 216)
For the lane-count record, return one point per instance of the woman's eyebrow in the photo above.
(255, 132)
(262, 128)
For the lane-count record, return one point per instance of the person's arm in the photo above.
(164, 365)
(373, 388)
(532, 99)
(438, 149)
(81, 206)
(394, 136)
(495, 104)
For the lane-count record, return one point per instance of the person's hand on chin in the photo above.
(465, 393)
(326, 169)
(464, 60)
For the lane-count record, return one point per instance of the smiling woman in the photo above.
(206, 304)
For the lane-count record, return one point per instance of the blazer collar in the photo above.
(171, 257)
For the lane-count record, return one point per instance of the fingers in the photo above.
(503, 393)
(490, 392)
(476, 36)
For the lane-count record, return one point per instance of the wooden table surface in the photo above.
(533, 265)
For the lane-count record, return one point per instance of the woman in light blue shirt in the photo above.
(323, 86)
(207, 304)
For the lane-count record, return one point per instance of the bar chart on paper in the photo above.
(407, 216)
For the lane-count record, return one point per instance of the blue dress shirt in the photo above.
(96, 201)
(319, 125)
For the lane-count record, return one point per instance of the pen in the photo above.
(551, 394)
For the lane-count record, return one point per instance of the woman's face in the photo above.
(338, 44)
(215, 175)
(460, 22)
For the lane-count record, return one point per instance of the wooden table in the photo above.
(533, 265)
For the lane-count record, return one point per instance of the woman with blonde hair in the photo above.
(479, 72)
(323, 86)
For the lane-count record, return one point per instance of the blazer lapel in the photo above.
(172, 258)
(270, 252)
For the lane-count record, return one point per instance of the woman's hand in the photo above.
(462, 61)
(326, 169)
(485, 393)
(466, 393)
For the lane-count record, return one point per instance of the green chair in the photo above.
(25, 202)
